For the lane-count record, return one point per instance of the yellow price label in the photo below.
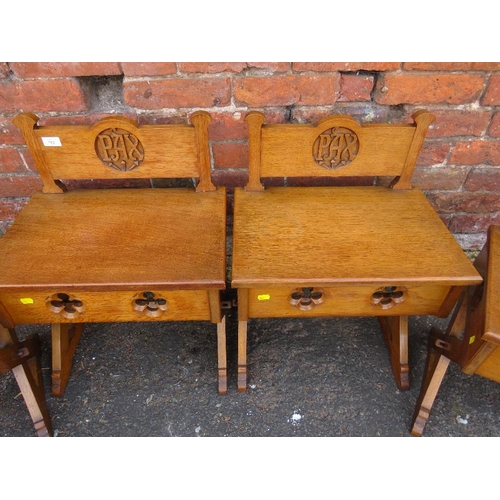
(264, 296)
(27, 300)
(472, 339)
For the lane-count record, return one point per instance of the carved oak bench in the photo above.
(342, 250)
(74, 256)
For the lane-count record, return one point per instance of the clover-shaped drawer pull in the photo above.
(306, 298)
(389, 296)
(149, 304)
(67, 306)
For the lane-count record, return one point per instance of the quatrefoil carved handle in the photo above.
(149, 304)
(389, 296)
(306, 298)
(67, 306)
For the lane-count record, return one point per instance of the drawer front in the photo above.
(344, 300)
(88, 307)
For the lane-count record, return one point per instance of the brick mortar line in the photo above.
(259, 73)
(24, 199)
(236, 107)
(28, 173)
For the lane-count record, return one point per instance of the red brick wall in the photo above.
(459, 167)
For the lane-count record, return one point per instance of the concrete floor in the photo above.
(307, 377)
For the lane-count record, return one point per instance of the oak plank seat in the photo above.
(341, 250)
(114, 255)
(23, 358)
(472, 337)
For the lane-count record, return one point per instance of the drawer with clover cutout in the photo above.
(346, 300)
(81, 307)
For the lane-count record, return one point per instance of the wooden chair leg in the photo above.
(435, 370)
(395, 330)
(65, 338)
(242, 356)
(29, 378)
(222, 356)
(23, 358)
(442, 348)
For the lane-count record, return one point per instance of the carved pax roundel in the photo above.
(119, 149)
(335, 147)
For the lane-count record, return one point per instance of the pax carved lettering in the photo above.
(119, 149)
(335, 147)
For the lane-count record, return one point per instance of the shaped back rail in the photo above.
(338, 146)
(117, 148)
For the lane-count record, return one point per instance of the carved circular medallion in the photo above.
(119, 149)
(335, 147)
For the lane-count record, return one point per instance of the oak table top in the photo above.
(117, 239)
(312, 236)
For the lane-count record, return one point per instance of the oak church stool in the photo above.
(23, 358)
(472, 338)
(74, 256)
(348, 250)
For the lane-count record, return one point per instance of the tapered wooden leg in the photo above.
(29, 378)
(23, 358)
(242, 356)
(395, 330)
(222, 356)
(65, 338)
(442, 349)
(435, 369)
(242, 338)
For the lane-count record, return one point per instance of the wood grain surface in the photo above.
(331, 235)
(117, 239)
(289, 150)
(183, 305)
